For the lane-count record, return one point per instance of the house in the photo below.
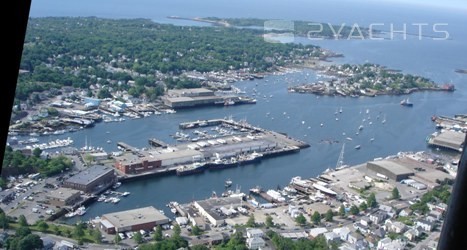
(412, 234)
(431, 219)
(378, 217)
(48, 242)
(389, 210)
(331, 237)
(405, 212)
(389, 244)
(354, 237)
(365, 221)
(362, 228)
(254, 233)
(380, 232)
(315, 232)
(436, 214)
(425, 225)
(255, 243)
(343, 232)
(396, 226)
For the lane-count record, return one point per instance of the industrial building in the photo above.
(145, 218)
(63, 197)
(448, 139)
(212, 208)
(93, 179)
(184, 98)
(144, 161)
(392, 169)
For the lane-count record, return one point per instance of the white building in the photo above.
(255, 243)
(254, 233)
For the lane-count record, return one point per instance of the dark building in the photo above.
(91, 180)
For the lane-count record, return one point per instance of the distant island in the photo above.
(367, 80)
(297, 27)
(461, 71)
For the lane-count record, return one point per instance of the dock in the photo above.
(126, 147)
(157, 143)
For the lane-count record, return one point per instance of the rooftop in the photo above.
(89, 175)
(62, 193)
(449, 139)
(135, 217)
(394, 166)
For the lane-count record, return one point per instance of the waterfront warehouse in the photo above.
(391, 169)
(144, 161)
(145, 218)
(212, 208)
(448, 139)
(63, 197)
(91, 180)
(184, 98)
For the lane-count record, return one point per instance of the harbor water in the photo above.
(298, 115)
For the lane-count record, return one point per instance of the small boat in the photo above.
(116, 185)
(360, 127)
(372, 139)
(348, 138)
(406, 103)
(228, 183)
(340, 110)
(125, 194)
(357, 147)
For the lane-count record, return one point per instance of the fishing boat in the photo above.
(228, 183)
(196, 167)
(357, 147)
(406, 103)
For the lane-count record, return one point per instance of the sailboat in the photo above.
(384, 119)
(406, 103)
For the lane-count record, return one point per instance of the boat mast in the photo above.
(340, 160)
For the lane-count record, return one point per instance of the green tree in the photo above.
(371, 201)
(236, 241)
(117, 239)
(4, 221)
(177, 231)
(104, 93)
(78, 231)
(269, 222)
(395, 193)
(199, 247)
(363, 206)
(96, 236)
(37, 152)
(251, 221)
(342, 211)
(31, 241)
(42, 226)
(22, 221)
(329, 215)
(138, 238)
(158, 234)
(22, 231)
(300, 220)
(354, 210)
(316, 218)
(195, 230)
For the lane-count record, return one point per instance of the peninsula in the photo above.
(367, 80)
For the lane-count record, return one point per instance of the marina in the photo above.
(223, 149)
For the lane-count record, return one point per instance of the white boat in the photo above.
(80, 211)
(348, 138)
(115, 200)
(117, 185)
(228, 183)
(125, 194)
(357, 147)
